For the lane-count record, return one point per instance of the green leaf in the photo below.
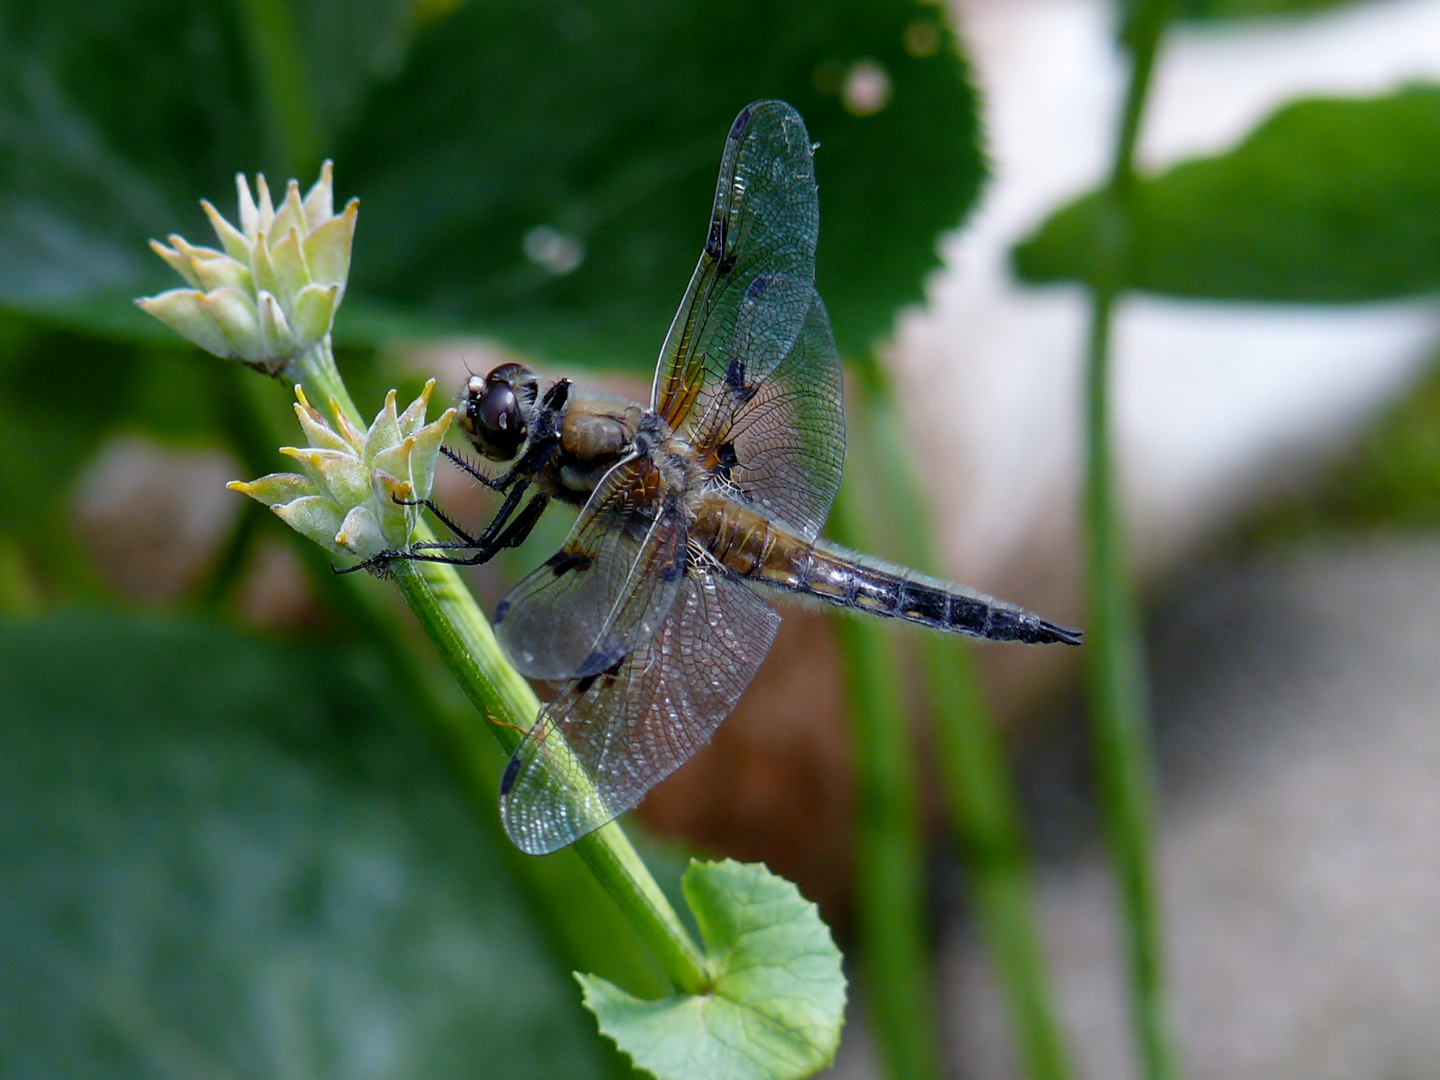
(609, 129)
(604, 124)
(1213, 10)
(118, 118)
(220, 857)
(1328, 201)
(778, 1000)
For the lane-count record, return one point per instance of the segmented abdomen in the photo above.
(751, 547)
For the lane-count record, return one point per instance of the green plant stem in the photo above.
(467, 645)
(984, 816)
(982, 806)
(890, 904)
(452, 620)
(981, 802)
(1124, 758)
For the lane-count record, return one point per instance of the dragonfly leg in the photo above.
(494, 483)
(491, 543)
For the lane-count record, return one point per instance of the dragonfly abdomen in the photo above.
(753, 548)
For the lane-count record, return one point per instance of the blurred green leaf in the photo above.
(226, 858)
(604, 124)
(778, 999)
(118, 117)
(1208, 10)
(1328, 201)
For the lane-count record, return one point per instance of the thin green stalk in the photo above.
(452, 620)
(1124, 758)
(586, 930)
(467, 645)
(890, 914)
(984, 815)
(982, 806)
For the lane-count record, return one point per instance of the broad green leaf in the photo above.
(1328, 201)
(778, 1000)
(608, 129)
(601, 124)
(220, 857)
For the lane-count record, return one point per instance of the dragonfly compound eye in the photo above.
(494, 422)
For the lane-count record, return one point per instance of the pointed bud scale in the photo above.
(317, 432)
(327, 249)
(291, 214)
(263, 266)
(314, 517)
(275, 488)
(193, 252)
(315, 311)
(320, 200)
(176, 262)
(221, 272)
(249, 213)
(234, 312)
(235, 242)
(360, 533)
(267, 208)
(414, 415)
(182, 311)
(291, 273)
(384, 430)
(392, 497)
(341, 476)
(426, 451)
(352, 435)
(279, 341)
(394, 461)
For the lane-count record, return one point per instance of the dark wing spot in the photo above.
(562, 562)
(501, 610)
(725, 461)
(735, 374)
(593, 664)
(593, 670)
(737, 129)
(512, 770)
(715, 242)
(756, 287)
(675, 569)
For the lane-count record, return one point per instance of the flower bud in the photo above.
(346, 499)
(272, 293)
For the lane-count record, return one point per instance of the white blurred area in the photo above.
(1216, 405)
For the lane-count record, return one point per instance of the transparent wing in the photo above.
(781, 446)
(751, 290)
(607, 588)
(607, 739)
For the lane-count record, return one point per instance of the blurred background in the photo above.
(232, 842)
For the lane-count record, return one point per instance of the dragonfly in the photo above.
(650, 619)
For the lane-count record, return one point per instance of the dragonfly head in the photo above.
(495, 411)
